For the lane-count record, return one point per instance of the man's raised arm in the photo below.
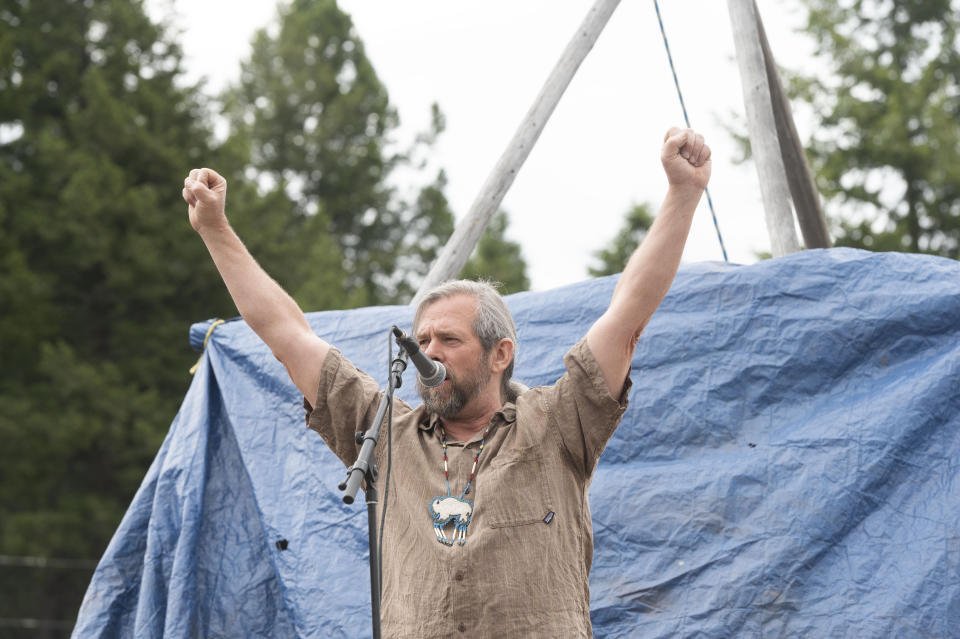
(266, 307)
(650, 271)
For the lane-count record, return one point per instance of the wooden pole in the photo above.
(806, 199)
(762, 128)
(468, 231)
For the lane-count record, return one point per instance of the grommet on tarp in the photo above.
(193, 369)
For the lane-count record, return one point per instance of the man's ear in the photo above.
(501, 355)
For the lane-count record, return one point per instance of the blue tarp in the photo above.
(789, 466)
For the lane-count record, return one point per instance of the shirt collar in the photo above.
(507, 415)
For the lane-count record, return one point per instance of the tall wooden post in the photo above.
(806, 199)
(762, 128)
(468, 231)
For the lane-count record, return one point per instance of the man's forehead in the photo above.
(454, 312)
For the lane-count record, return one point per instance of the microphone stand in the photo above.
(365, 468)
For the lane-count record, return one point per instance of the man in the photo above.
(498, 477)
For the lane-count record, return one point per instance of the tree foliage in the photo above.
(97, 286)
(498, 258)
(317, 122)
(888, 113)
(613, 258)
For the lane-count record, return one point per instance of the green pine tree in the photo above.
(100, 277)
(317, 121)
(498, 258)
(888, 121)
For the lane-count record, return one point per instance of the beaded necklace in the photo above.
(449, 509)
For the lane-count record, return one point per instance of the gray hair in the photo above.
(491, 324)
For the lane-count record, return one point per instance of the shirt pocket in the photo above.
(517, 489)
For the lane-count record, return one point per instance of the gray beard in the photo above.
(448, 402)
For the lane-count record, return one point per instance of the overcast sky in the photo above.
(484, 62)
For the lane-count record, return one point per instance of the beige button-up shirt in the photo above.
(523, 571)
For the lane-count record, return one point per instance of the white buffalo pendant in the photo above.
(445, 510)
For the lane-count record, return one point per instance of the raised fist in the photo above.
(205, 192)
(686, 158)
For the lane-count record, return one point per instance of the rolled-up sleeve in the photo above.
(346, 402)
(581, 410)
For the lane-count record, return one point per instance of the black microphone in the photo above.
(430, 373)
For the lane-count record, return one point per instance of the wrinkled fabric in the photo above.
(788, 466)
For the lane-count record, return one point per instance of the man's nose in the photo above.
(432, 351)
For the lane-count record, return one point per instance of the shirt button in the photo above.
(458, 577)
(462, 627)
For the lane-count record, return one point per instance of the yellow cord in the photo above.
(193, 369)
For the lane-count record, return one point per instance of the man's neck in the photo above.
(474, 417)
